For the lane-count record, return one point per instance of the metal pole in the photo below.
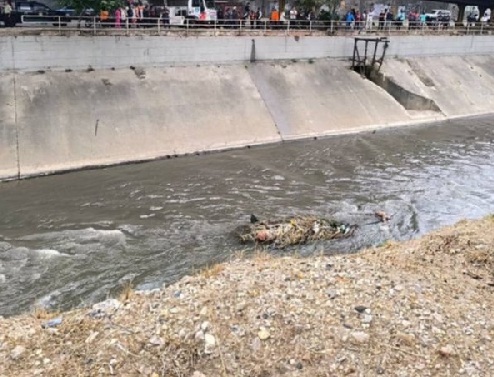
(59, 26)
(94, 25)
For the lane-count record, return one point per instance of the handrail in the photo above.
(164, 25)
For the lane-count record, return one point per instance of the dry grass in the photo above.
(212, 270)
(40, 312)
(127, 291)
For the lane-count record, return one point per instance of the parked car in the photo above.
(33, 12)
(438, 17)
(72, 13)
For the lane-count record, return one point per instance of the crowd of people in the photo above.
(136, 12)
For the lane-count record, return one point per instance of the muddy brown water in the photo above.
(73, 239)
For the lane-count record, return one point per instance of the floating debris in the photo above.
(382, 216)
(293, 231)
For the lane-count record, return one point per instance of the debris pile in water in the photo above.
(293, 231)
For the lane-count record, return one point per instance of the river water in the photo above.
(72, 239)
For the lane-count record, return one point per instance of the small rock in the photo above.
(204, 312)
(52, 322)
(198, 374)
(447, 351)
(105, 308)
(205, 326)
(155, 341)
(199, 335)
(46, 361)
(2, 278)
(331, 293)
(240, 306)
(238, 330)
(360, 308)
(367, 318)
(173, 311)
(17, 352)
(263, 334)
(182, 333)
(360, 337)
(210, 343)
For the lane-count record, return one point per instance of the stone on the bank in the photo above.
(17, 352)
(105, 308)
(263, 334)
(52, 322)
(198, 374)
(205, 326)
(210, 343)
(360, 337)
(199, 335)
(447, 350)
(367, 318)
(155, 341)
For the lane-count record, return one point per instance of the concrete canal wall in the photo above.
(56, 114)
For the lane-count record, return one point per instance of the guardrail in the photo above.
(164, 26)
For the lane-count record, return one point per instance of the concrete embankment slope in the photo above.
(324, 97)
(68, 120)
(457, 85)
(55, 121)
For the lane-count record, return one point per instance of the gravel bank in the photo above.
(417, 308)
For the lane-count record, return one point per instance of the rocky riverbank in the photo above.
(422, 307)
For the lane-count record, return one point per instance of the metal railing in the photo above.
(165, 26)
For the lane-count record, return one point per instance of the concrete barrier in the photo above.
(33, 53)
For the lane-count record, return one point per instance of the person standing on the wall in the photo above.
(252, 19)
(123, 16)
(7, 9)
(117, 18)
(258, 18)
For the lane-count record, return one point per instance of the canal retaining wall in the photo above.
(32, 53)
(102, 106)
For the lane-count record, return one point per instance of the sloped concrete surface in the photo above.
(54, 121)
(459, 85)
(75, 119)
(323, 97)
